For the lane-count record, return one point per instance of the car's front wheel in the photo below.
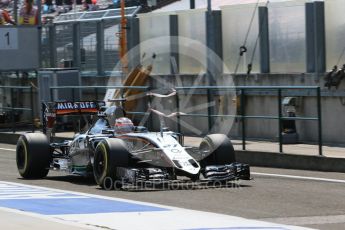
(217, 149)
(109, 155)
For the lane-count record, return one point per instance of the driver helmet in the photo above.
(123, 125)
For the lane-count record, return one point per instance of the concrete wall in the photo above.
(257, 103)
(333, 108)
(266, 104)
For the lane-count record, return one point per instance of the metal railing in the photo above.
(12, 109)
(95, 89)
(242, 91)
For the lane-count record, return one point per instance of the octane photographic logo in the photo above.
(171, 71)
(110, 184)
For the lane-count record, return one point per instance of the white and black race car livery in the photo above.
(116, 152)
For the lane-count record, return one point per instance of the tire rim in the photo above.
(205, 149)
(99, 164)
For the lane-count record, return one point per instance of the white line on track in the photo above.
(299, 177)
(12, 150)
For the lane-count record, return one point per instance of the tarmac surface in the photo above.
(294, 197)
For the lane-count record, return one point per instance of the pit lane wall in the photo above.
(259, 103)
(264, 103)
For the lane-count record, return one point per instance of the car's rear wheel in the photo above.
(33, 155)
(109, 155)
(218, 150)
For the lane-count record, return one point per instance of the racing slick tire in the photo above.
(33, 155)
(219, 148)
(109, 155)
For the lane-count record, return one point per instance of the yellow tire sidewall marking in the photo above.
(26, 156)
(104, 150)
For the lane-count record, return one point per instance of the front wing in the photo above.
(233, 171)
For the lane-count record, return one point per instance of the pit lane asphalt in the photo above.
(295, 201)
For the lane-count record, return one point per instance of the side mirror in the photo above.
(107, 131)
(140, 129)
(165, 129)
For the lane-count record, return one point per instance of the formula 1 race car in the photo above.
(117, 153)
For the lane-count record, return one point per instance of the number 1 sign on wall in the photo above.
(8, 38)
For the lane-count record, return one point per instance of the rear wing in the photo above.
(79, 107)
(52, 109)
